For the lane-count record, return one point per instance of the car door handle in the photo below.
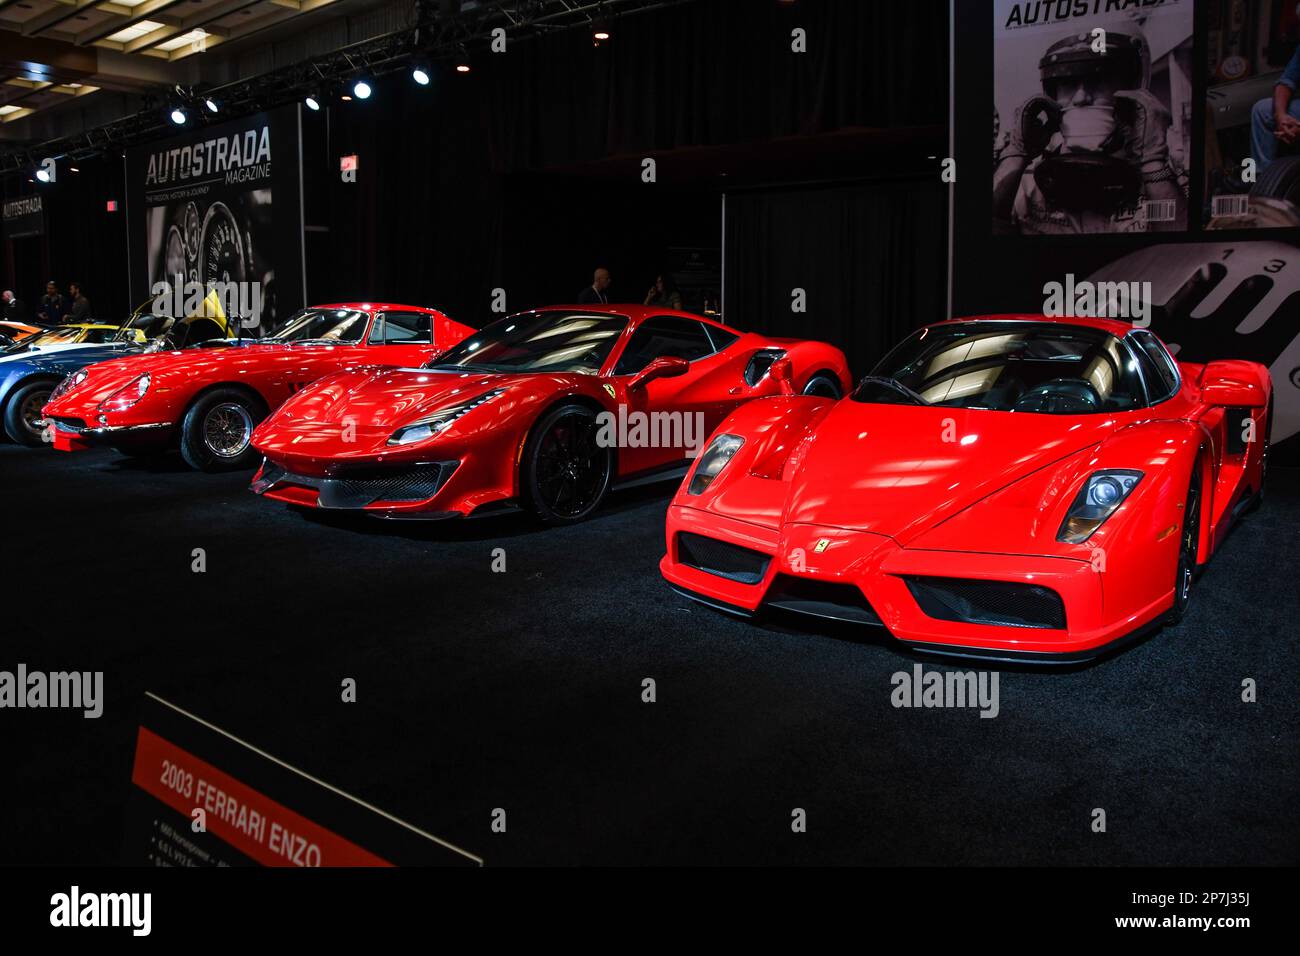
(735, 390)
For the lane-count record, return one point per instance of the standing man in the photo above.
(52, 305)
(80, 304)
(1276, 120)
(595, 293)
(15, 311)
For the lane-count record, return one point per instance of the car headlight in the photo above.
(68, 384)
(439, 421)
(711, 463)
(128, 394)
(1101, 494)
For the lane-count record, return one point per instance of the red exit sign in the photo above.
(111, 205)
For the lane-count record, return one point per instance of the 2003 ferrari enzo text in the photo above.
(209, 399)
(1012, 487)
(548, 409)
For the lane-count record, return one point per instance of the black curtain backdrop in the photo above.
(447, 205)
(460, 191)
(82, 242)
(871, 259)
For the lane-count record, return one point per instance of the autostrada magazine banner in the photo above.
(1092, 116)
(222, 204)
(201, 797)
(1252, 170)
(1208, 294)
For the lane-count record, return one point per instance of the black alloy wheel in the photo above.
(566, 471)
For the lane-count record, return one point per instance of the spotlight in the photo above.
(361, 90)
(211, 104)
(178, 116)
(462, 67)
(420, 75)
(600, 29)
(43, 174)
(313, 104)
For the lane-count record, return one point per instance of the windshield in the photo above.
(1009, 367)
(554, 341)
(323, 326)
(57, 336)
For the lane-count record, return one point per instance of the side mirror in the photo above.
(782, 372)
(1231, 384)
(666, 366)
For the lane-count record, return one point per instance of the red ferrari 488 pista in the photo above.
(548, 408)
(1014, 487)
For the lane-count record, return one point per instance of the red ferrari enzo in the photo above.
(1011, 487)
(547, 409)
(210, 398)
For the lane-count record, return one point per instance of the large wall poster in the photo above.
(1252, 169)
(1209, 295)
(222, 204)
(1092, 115)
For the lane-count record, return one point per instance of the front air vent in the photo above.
(1003, 603)
(726, 560)
(759, 364)
(827, 599)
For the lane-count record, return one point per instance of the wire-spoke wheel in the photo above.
(226, 429)
(217, 431)
(1187, 549)
(566, 471)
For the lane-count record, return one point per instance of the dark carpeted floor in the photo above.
(522, 690)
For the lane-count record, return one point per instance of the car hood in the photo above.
(899, 470)
(69, 361)
(386, 398)
(182, 360)
(34, 351)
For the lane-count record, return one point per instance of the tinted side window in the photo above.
(1156, 367)
(396, 327)
(721, 337)
(665, 335)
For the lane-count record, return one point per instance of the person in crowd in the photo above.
(664, 293)
(595, 293)
(1275, 120)
(52, 306)
(14, 310)
(80, 311)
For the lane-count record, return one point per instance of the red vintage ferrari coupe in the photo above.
(1012, 487)
(210, 398)
(547, 409)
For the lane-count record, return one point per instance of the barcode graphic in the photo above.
(1231, 206)
(1157, 210)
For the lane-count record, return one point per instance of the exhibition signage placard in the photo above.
(24, 217)
(202, 797)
